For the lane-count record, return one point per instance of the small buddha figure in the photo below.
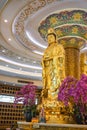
(42, 118)
(53, 63)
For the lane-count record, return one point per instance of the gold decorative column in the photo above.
(72, 48)
(72, 62)
(83, 64)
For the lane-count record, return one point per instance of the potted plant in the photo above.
(75, 92)
(27, 95)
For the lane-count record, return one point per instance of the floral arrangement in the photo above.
(66, 90)
(74, 91)
(26, 95)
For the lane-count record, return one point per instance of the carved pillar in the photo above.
(83, 64)
(72, 62)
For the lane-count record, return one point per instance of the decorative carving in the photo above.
(83, 63)
(67, 23)
(19, 22)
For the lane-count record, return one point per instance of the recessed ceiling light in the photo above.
(5, 20)
(19, 57)
(34, 61)
(3, 50)
(7, 65)
(20, 68)
(9, 39)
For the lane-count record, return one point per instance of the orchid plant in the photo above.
(27, 96)
(74, 91)
(67, 89)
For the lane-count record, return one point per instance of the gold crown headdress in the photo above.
(51, 30)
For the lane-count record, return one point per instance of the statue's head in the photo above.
(51, 37)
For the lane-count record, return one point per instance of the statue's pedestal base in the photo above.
(61, 119)
(56, 112)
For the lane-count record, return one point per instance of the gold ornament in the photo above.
(51, 30)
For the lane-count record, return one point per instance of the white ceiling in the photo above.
(20, 41)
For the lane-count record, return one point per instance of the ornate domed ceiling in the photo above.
(24, 25)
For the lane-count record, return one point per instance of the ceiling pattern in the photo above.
(27, 27)
(67, 23)
(20, 20)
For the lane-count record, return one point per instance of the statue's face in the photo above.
(51, 38)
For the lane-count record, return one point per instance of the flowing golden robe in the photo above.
(53, 69)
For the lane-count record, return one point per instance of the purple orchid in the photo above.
(26, 95)
(74, 91)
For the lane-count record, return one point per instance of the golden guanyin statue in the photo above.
(53, 72)
(53, 63)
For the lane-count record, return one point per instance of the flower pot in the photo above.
(28, 115)
(85, 119)
(79, 119)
